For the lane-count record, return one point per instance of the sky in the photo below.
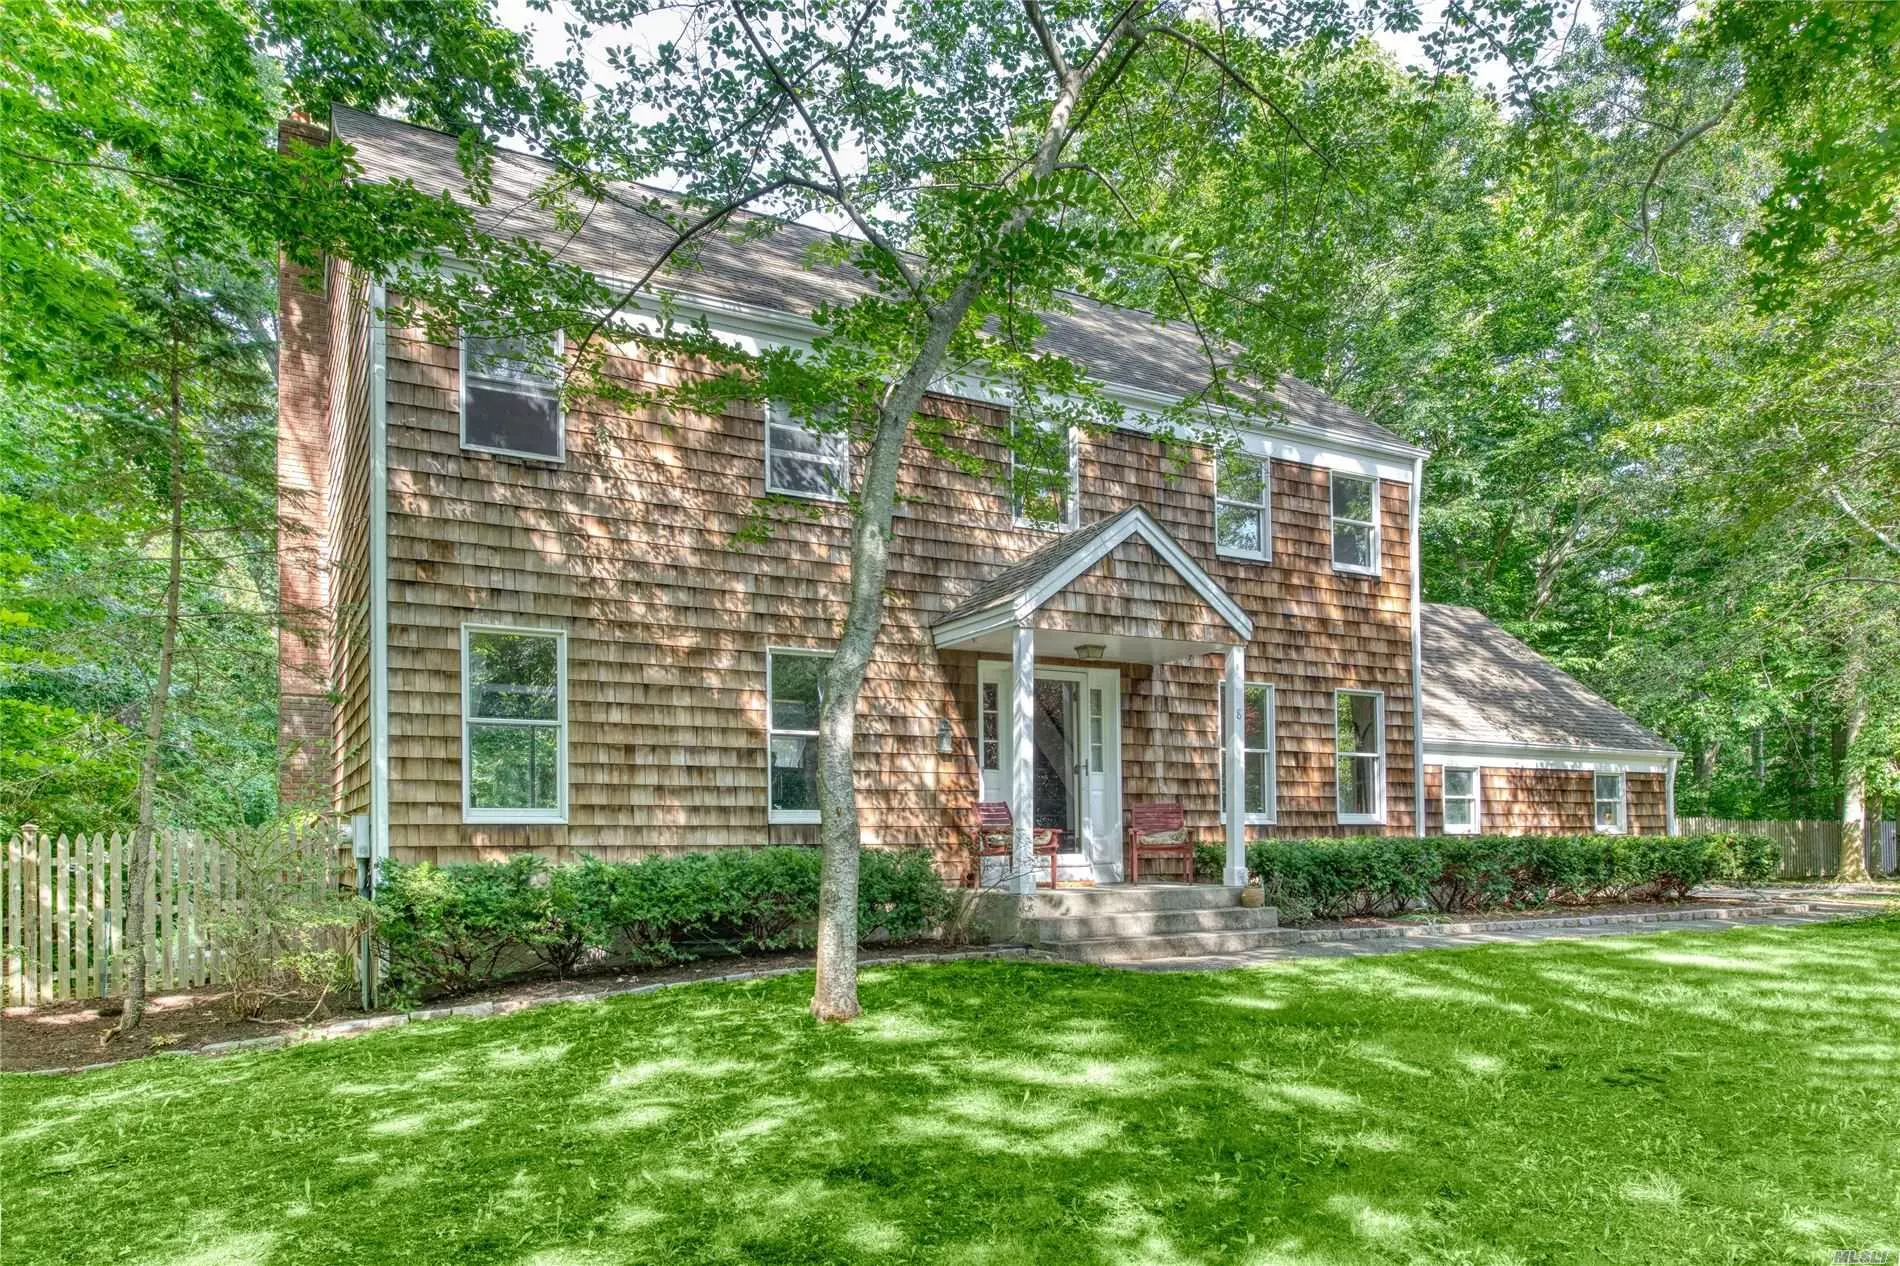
(550, 42)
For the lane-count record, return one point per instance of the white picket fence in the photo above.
(63, 908)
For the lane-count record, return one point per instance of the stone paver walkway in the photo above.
(1353, 942)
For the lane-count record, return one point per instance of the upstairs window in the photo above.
(511, 396)
(1461, 801)
(1042, 475)
(1242, 521)
(1355, 523)
(1611, 808)
(802, 461)
(1256, 752)
(1359, 755)
(795, 683)
(514, 721)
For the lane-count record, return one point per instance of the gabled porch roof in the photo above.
(1123, 616)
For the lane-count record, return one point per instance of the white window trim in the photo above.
(461, 400)
(1272, 752)
(1476, 797)
(1074, 498)
(1333, 521)
(556, 816)
(1264, 508)
(776, 415)
(773, 816)
(1622, 825)
(1377, 816)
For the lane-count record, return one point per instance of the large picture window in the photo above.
(802, 461)
(511, 396)
(1460, 801)
(1256, 752)
(1359, 755)
(794, 693)
(1042, 475)
(1242, 520)
(514, 722)
(1355, 523)
(1611, 807)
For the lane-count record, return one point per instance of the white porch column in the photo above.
(1235, 873)
(1022, 755)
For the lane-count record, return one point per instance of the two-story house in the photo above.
(536, 627)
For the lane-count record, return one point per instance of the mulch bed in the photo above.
(76, 1034)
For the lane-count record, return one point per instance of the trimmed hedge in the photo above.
(1384, 874)
(450, 929)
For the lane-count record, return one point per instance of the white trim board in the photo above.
(749, 327)
(1135, 522)
(378, 574)
(1502, 756)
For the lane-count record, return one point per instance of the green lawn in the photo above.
(1682, 1098)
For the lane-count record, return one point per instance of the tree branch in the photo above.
(1050, 48)
(1893, 547)
(680, 238)
(1675, 147)
(871, 233)
(1247, 86)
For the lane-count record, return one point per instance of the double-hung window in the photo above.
(1242, 517)
(1460, 799)
(1355, 523)
(1042, 474)
(1359, 754)
(511, 396)
(794, 693)
(803, 461)
(1612, 810)
(1256, 752)
(514, 724)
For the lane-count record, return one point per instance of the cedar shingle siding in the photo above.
(628, 545)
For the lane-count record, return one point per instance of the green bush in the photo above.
(450, 929)
(1744, 859)
(1343, 876)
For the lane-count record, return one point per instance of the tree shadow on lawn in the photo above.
(1686, 1097)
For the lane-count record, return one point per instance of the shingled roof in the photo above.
(777, 272)
(1484, 686)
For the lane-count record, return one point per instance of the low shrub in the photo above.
(445, 929)
(449, 929)
(291, 935)
(1343, 876)
(1744, 859)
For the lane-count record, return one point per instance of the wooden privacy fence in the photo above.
(63, 904)
(1810, 848)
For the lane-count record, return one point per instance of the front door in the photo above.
(1076, 767)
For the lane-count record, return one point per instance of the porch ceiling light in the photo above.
(1090, 650)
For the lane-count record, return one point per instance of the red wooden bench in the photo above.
(994, 833)
(1158, 830)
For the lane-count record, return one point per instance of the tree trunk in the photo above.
(137, 914)
(835, 992)
(1853, 865)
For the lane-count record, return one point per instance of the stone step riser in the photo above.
(1069, 902)
(1090, 927)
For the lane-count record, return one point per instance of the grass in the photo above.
(1680, 1098)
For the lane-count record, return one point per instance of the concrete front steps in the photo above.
(1120, 923)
